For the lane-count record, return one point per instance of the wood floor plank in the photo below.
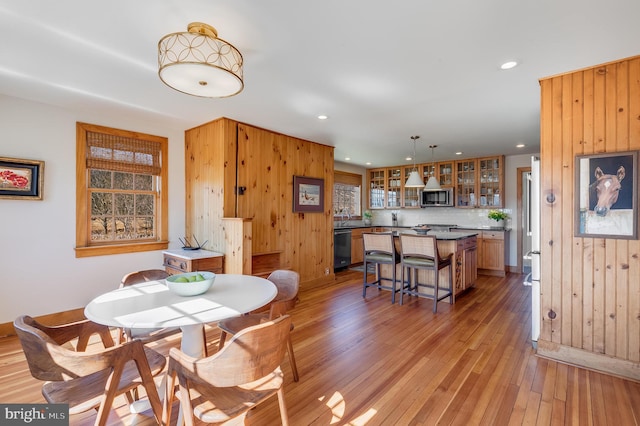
(368, 362)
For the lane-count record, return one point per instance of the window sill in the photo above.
(120, 248)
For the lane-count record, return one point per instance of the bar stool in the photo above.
(379, 249)
(420, 252)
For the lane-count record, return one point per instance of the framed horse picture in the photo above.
(21, 179)
(606, 195)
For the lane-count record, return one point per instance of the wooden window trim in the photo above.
(347, 178)
(83, 249)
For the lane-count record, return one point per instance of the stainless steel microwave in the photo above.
(437, 197)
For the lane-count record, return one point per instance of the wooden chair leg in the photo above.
(223, 337)
(292, 360)
(283, 408)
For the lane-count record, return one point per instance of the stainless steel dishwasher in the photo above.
(341, 248)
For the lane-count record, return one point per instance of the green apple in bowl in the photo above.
(190, 283)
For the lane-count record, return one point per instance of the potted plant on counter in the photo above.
(367, 215)
(498, 215)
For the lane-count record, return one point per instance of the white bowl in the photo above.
(191, 288)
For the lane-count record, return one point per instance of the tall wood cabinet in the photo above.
(235, 170)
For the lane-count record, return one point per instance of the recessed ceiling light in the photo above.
(408, 158)
(520, 145)
(347, 158)
(322, 117)
(368, 163)
(459, 153)
(508, 65)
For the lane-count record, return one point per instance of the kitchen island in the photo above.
(463, 245)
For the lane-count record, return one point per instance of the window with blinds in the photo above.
(347, 195)
(121, 185)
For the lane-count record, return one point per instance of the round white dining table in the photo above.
(152, 305)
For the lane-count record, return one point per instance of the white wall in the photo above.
(39, 271)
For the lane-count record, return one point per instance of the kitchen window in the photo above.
(121, 201)
(347, 195)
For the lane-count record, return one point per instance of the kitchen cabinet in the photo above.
(492, 252)
(357, 247)
(443, 172)
(480, 182)
(239, 198)
(386, 188)
(179, 261)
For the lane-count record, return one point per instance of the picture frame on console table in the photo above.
(606, 195)
(21, 179)
(308, 195)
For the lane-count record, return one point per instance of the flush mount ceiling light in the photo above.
(432, 182)
(508, 65)
(199, 63)
(414, 180)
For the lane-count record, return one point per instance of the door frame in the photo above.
(520, 171)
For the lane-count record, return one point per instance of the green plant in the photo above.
(497, 215)
(367, 214)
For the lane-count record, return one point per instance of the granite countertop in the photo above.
(444, 235)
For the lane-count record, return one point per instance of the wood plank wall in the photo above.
(590, 286)
(267, 162)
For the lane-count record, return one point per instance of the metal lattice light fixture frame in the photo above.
(199, 63)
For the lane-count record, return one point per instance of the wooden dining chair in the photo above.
(226, 385)
(287, 282)
(146, 335)
(85, 380)
(420, 252)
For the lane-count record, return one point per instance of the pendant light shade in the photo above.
(432, 182)
(415, 180)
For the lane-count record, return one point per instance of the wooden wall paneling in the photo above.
(567, 210)
(634, 246)
(577, 258)
(238, 255)
(555, 313)
(258, 162)
(593, 287)
(205, 180)
(546, 139)
(599, 244)
(586, 261)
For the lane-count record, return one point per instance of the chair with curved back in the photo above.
(288, 283)
(229, 383)
(86, 380)
(379, 249)
(420, 252)
(146, 335)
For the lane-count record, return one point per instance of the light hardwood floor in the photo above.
(368, 362)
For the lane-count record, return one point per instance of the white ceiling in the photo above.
(381, 71)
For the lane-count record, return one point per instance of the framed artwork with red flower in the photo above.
(21, 179)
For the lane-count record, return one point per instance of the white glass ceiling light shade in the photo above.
(432, 182)
(414, 180)
(199, 63)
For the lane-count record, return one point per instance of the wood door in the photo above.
(261, 173)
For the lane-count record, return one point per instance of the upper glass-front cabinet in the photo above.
(490, 182)
(394, 187)
(377, 180)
